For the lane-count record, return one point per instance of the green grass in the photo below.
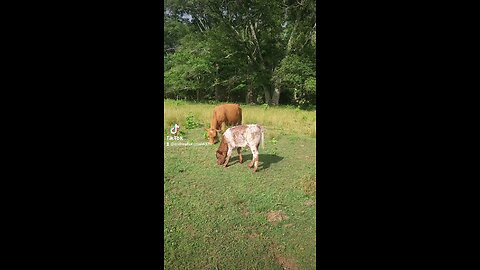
(277, 120)
(216, 217)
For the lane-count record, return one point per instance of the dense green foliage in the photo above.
(252, 51)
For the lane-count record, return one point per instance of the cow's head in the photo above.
(212, 134)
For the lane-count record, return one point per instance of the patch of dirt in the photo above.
(245, 212)
(309, 203)
(275, 216)
(310, 186)
(252, 235)
(288, 225)
(189, 228)
(287, 264)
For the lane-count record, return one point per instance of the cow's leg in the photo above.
(229, 153)
(239, 151)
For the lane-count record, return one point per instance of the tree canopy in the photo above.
(252, 51)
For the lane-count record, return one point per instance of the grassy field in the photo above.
(277, 120)
(233, 218)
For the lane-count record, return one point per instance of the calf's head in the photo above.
(220, 157)
(212, 134)
(221, 153)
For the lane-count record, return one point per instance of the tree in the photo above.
(174, 29)
(191, 69)
(240, 50)
(297, 74)
(299, 39)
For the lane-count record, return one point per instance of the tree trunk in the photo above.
(290, 40)
(218, 95)
(217, 86)
(249, 97)
(198, 95)
(276, 96)
(268, 99)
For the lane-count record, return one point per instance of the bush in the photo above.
(191, 122)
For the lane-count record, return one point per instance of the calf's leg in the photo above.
(239, 151)
(229, 153)
(255, 159)
(250, 165)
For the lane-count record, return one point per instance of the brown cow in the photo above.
(230, 114)
(238, 137)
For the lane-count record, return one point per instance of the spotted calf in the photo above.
(238, 137)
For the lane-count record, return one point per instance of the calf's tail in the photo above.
(263, 139)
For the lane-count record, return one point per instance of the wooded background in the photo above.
(248, 51)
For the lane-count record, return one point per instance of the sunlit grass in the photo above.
(218, 218)
(277, 120)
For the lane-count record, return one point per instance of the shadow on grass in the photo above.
(265, 160)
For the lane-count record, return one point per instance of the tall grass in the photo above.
(278, 121)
